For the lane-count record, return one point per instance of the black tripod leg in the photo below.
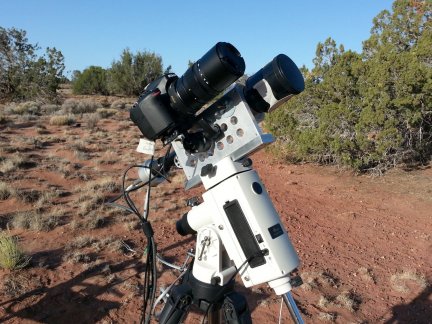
(177, 305)
(236, 310)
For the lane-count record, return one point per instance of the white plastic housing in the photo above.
(261, 216)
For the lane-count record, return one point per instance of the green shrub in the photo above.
(132, 72)
(92, 80)
(11, 256)
(368, 111)
(25, 74)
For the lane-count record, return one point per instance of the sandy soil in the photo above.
(365, 243)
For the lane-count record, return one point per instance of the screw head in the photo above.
(221, 227)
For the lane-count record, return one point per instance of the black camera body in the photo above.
(168, 105)
(152, 113)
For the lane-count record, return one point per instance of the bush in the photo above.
(11, 256)
(368, 111)
(130, 74)
(69, 105)
(120, 104)
(92, 120)
(27, 108)
(106, 112)
(73, 106)
(62, 120)
(92, 80)
(49, 109)
(28, 75)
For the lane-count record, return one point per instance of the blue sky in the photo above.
(94, 32)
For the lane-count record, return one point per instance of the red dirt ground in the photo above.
(365, 243)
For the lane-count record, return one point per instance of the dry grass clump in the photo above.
(325, 302)
(348, 300)
(109, 157)
(26, 108)
(6, 191)
(89, 202)
(132, 224)
(121, 104)
(90, 222)
(327, 317)
(80, 146)
(73, 106)
(106, 112)
(399, 281)
(11, 255)
(124, 126)
(17, 161)
(35, 220)
(76, 257)
(92, 120)
(16, 284)
(47, 198)
(366, 275)
(105, 185)
(110, 243)
(41, 129)
(37, 142)
(4, 119)
(313, 280)
(62, 120)
(80, 150)
(81, 242)
(49, 109)
(28, 195)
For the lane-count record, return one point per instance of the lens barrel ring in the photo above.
(211, 74)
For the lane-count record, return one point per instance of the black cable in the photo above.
(150, 271)
(165, 158)
(125, 193)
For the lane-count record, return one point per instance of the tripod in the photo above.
(216, 301)
(238, 232)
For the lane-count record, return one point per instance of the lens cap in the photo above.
(283, 76)
(231, 58)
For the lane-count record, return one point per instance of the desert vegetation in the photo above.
(369, 111)
(363, 242)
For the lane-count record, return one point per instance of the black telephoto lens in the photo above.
(283, 77)
(211, 74)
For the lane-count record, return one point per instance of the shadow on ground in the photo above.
(418, 311)
(64, 303)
